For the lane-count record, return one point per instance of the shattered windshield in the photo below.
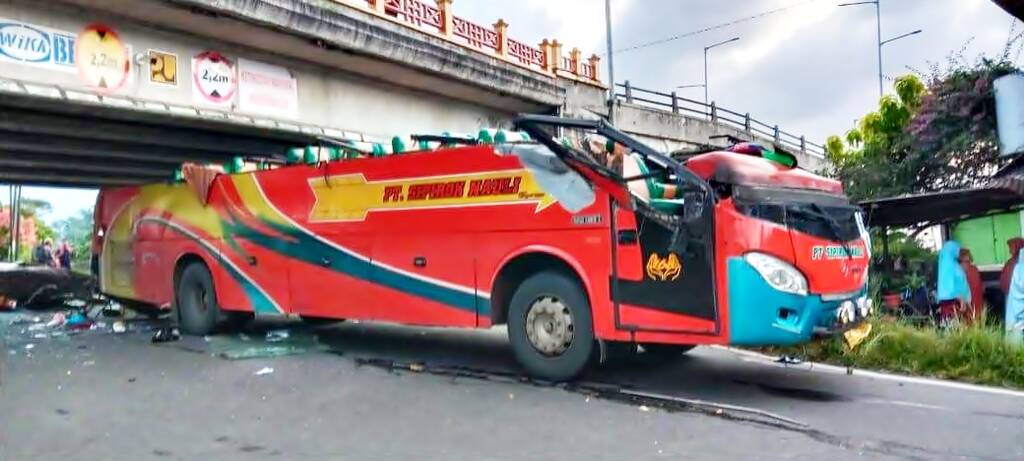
(568, 187)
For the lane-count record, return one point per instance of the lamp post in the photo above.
(611, 59)
(706, 48)
(878, 27)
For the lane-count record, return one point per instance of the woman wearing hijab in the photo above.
(1015, 302)
(953, 292)
(1015, 244)
(977, 304)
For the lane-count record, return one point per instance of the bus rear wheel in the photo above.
(549, 326)
(196, 301)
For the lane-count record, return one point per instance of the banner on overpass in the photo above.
(32, 45)
(266, 89)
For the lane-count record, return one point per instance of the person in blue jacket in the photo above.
(1015, 303)
(953, 292)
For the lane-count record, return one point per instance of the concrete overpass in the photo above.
(96, 92)
(159, 82)
(669, 123)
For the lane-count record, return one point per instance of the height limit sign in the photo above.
(214, 81)
(102, 58)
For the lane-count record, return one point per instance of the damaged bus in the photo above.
(578, 237)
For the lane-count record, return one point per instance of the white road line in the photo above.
(815, 366)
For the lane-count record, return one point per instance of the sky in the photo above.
(812, 68)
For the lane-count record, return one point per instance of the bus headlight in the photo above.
(778, 273)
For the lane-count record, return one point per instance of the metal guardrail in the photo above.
(741, 121)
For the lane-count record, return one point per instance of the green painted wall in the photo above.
(986, 237)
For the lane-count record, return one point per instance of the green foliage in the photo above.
(977, 353)
(924, 138)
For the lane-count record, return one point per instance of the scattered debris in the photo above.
(264, 371)
(417, 367)
(88, 363)
(58, 320)
(131, 380)
(42, 286)
(29, 346)
(166, 335)
(119, 326)
(789, 360)
(644, 408)
(274, 336)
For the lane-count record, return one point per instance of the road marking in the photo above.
(904, 403)
(815, 366)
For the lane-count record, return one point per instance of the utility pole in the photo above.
(611, 61)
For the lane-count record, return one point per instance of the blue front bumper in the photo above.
(760, 315)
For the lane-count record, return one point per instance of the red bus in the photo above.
(572, 252)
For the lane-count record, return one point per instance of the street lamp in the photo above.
(611, 59)
(878, 23)
(706, 48)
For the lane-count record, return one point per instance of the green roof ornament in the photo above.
(294, 155)
(310, 155)
(500, 137)
(484, 136)
(234, 165)
(397, 145)
(378, 150)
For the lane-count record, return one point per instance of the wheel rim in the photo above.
(200, 297)
(549, 326)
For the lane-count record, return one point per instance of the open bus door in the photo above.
(662, 251)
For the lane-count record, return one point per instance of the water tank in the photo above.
(1009, 91)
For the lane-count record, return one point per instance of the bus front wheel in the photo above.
(196, 300)
(549, 326)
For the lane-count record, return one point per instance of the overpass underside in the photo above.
(358, 75)
(51, 141)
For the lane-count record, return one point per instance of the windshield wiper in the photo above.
(833, 226)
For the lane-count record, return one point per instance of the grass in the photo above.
(977, 354)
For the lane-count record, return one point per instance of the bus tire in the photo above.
(666, 351)
(550, 327)
(196, 300)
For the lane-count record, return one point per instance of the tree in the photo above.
(924, 139)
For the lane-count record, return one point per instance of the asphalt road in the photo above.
(103, 396)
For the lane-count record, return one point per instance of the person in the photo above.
(1014, 316)
(977, 304)
(1015, 244)
(64, 255)
(44, 253)
(953, 292)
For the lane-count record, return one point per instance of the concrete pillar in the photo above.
(675, 103)
(629, 92)
(595, 62)
(746, 123)
(501, 27)
(445, 6)
(714, 112)
(803, 144)
(778, 138)
(556, 55)
(574, 59)
(545, 48)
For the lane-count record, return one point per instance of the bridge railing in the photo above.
(435, 17)
(676, 104)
